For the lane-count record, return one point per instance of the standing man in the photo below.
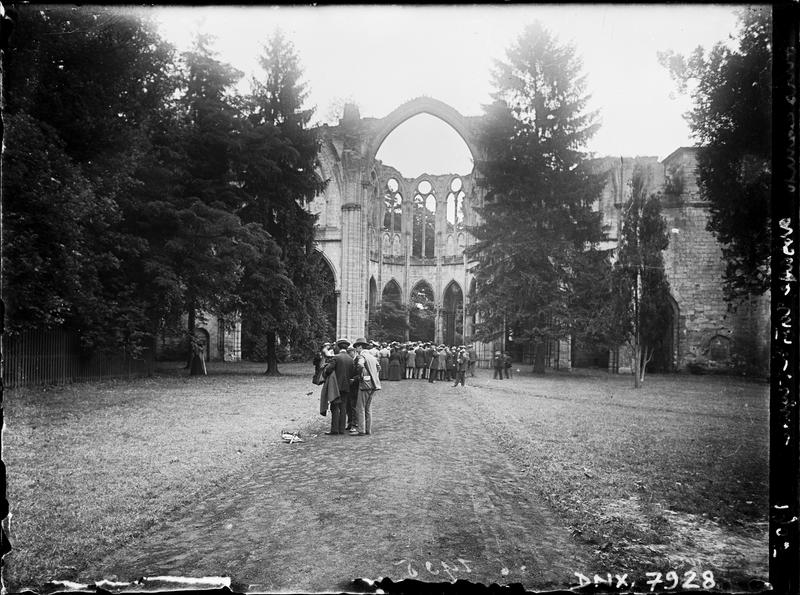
(498, 363)
(473, 358)
(411, 360)
(367, 371)
(342, 366)
(419, 361)
(462, 363)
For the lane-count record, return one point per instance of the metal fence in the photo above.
(55, 357)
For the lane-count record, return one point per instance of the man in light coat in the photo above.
(368, 368)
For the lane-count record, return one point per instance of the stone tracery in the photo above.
(407, 232)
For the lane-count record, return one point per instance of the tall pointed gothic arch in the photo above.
(453, 314)
(422, 312)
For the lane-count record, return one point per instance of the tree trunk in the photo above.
(636, 364)
(190, 327)
(272, 354)
(646, 358)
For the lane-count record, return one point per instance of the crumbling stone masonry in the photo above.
(370, 252)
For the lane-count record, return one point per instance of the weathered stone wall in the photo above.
(350, 234)
(224, 341)
(708, 333)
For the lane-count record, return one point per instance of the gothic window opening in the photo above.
(424, 221)
(393, 207)
(388, 320)
(455, 206)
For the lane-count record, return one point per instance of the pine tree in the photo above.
(537, 222)
(279, 159)
(213, 252)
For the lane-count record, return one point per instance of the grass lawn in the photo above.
(671, 476)
(91, 466)
(675, 472)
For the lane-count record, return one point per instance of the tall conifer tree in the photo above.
(537, 223)
(279, 161)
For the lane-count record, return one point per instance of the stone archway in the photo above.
(326, 283)
(420, 105)
(422, 313)
(453, 310)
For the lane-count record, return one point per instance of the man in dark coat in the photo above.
(342, 365)
(462, 363)
(499, 364)
(419, 362)
(429, 354)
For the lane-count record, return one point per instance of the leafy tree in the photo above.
(80, 85)
(639, 301)
(732, 122)
(278, 162)
(537, 221)
(47, 203)
(421, 315)
(94, 74)
(389, 322)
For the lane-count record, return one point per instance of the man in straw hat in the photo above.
(367, 371)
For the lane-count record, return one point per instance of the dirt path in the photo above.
(429, 495)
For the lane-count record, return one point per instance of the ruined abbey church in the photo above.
(385, 236)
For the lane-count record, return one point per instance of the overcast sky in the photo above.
(382, 56)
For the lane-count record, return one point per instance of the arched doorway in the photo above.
(202, 343)
(392, 293)
(665, 356)
(421, 313)
(326, 289)
(453, 305)
(388, 321)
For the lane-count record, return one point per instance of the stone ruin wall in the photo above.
(710, 334)
(350, 237)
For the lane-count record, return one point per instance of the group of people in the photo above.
(501, 362)
(350, 374)
(425, 361)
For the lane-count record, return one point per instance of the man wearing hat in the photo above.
(419, 361)
(498, 363)
(367, 371)
(473, 358)
(428, 358)
(342, 365)
(462, 363)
